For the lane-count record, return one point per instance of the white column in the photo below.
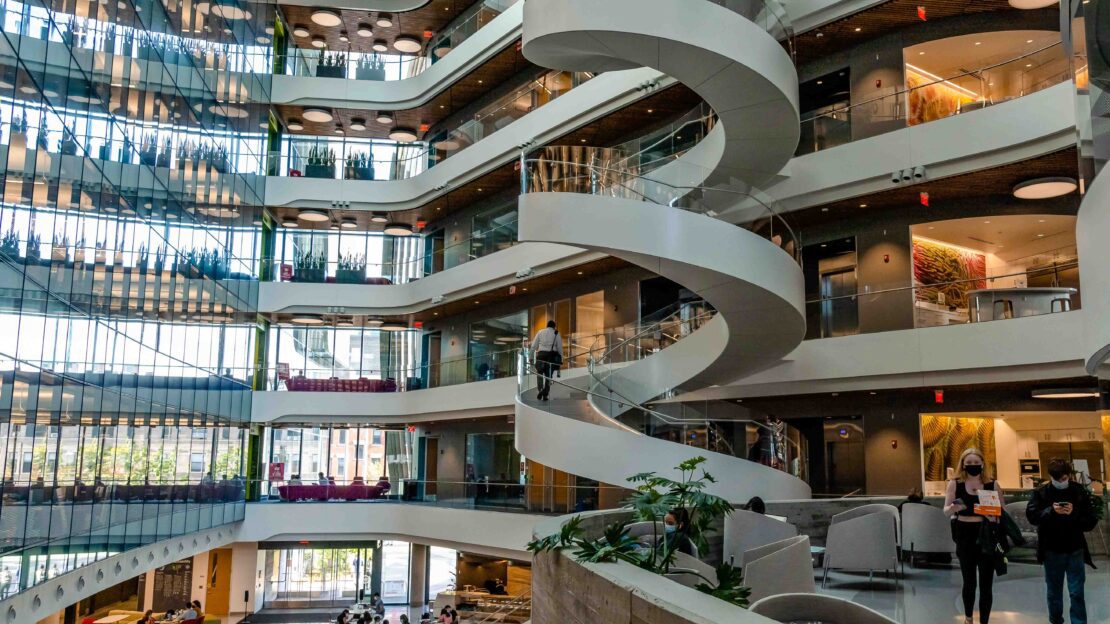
(418, 574)
(247, 563)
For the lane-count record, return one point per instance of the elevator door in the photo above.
(839, 316)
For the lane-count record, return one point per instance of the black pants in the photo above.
(975, 568)
(546, 365)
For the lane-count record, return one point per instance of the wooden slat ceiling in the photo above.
(494, 296)
(494, 72)
(884, 19)
(432, 18)
(995, 182)
(632, 120)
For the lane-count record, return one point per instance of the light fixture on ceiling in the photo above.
(374, 322)
(313, 215)
(384, 117)
(289, 222)
(319, 42)
(364, 30)
(1045, 188)
(379, 217)
(380, 45)
(402, 134)
(1033, 4)
(447, 145)
(385, 20)
(348, 223)
(358, 124)
(407, 44)
(295, 124)
(300, 31)
(227, 9)
(344, 37)
(398, 229)
(334, 227)
(318, 115)
(1066, 393)
(327, 18)
(344, 321)
(307, 319)
(339, 129)
(393, 327)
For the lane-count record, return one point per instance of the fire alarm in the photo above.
(894, 444)
(921, 13)
(878, 83)
(886, 258)
(938, 396)
(924, 197)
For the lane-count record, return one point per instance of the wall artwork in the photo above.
(936, 266)
(935, 101)
(944, 438)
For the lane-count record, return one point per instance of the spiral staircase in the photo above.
(697, 220)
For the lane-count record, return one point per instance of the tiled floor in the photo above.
(932, 596)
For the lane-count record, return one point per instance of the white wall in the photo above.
(1017, 437)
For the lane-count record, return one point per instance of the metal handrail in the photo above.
(516, 603)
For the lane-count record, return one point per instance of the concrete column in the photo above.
(418, 574)
(247, 564)
(148, 591)
(200, 579)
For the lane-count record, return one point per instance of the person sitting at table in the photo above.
(376, 604)
(148, 617)
(198, 609)
(295, 480)
(357, 480)
(383, 484)
(344, 618)
(321, 479)
(169, 615)
(331, 480)
(187, 614)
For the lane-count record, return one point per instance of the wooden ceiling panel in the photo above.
(431, 18)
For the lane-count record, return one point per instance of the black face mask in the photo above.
(974, 470)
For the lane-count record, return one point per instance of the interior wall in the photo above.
(451, 464)
(1018, 438)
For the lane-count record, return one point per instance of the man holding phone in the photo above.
(1063, 511)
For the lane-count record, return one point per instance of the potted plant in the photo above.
(127, 43)
(309, 267)
(321, 163)
(9, 244)
(69, 140)
(42, 139)
(145, 45)
(331, 65)
(19, 126)
(69, 35)
(34, 250)
(165, 155)
(148, 152)
(370, 67)
(159, 260)
(219, 160)
(359, 167)
(351, 269)
(59, 249)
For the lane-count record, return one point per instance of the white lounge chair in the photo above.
(784, 567)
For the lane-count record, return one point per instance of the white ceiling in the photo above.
(951, 56)
(1008, 237)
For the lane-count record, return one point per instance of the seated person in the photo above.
(756, 504)
(383, 484)
(295, 480)
(186, 614)
(675, 525)
(357, 480)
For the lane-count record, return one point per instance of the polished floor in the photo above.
(932, 595)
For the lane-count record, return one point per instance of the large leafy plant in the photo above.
(653, 498)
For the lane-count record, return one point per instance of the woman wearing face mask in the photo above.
(959, 504)
(676, 525)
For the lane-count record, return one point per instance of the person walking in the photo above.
(1063, 510)
(976, 567)
(548, 349)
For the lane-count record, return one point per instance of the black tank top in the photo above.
(969, 499)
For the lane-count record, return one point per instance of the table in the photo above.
(990, 304)
(111, 619)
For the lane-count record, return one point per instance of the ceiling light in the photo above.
(358, 124)
(319, 115)
(300, 31)
(288, 222)
(1033, 4)
(374, 322)
(319, 42)
(407, 44)
(327, 18)
(820, 82)
(1045, 188)
(401, 134)
(262, 39)
(921, 53)
(333, 227)
(380, 45)
(339, 129)
(227, 9)
(398, 229)
(384, 117)
(364, 30)
(1066, 393)
(348, 223)
(978, 43)
(311, 214)
(385, 20)
(1028, 41)
(343, 36)
(447, 145)
(344, 322)
(379, 217)
(295, 124)
(858, 29)
(308, 319)
(394, 327)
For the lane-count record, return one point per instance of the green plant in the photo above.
(654, 497)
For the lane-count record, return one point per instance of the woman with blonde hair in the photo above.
(972, 476)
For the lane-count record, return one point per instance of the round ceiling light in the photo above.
(339, 129)
(300, 31)
(317, 216)
(288, 222)
(229, 10)
(295, 125)
(326, 18)
(348, 223)
(385, 20)
(398, 229)
(384, 118)
(1066, 393)
(334, 227)
(394, 327)
(379, 217)
(319, 42)
(358, 124)
(344, 37)
(380, 45)
(364, 30)
(1045, 188)
(442, 51)
(344, 321)
(402, 134)
(319, 115)
(407, 44)
(374, 322)
(262, 39)
(308, 319)
(448, 145)
(1033, 4)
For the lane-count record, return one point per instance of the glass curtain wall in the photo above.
(339, 577)
(298, 353)
(130, 139)
(345, 454)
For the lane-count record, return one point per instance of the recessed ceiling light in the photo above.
(986, 222)
(364, 30)
(651, 110)
(402, 134)
(327, 18)
(334, 227)
(380, 45)
(295, 124)
(398, 229)
(1040, 235)
(409, 45)
(858, 29)
(313, 215)
(308, 319)
(1040, 220)
(385, 20)
(820, 82)
(1066, 393)
(1045, 188)
(344, 322)
(978, 43)
(580, 272)
(262, 39)
(823, 245)
(1028, 64)
(922, 53)
(374, 322)
(863, 205)
(824, 210)
(300, 31)
(1028, 41)
(318, 115)
(358, 124)
(378, 217)
(319, 42)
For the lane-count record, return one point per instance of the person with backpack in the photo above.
(548, 349)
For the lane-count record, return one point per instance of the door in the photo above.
(432, 345)
(431, 467)
(219, 582)
(839, 316)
